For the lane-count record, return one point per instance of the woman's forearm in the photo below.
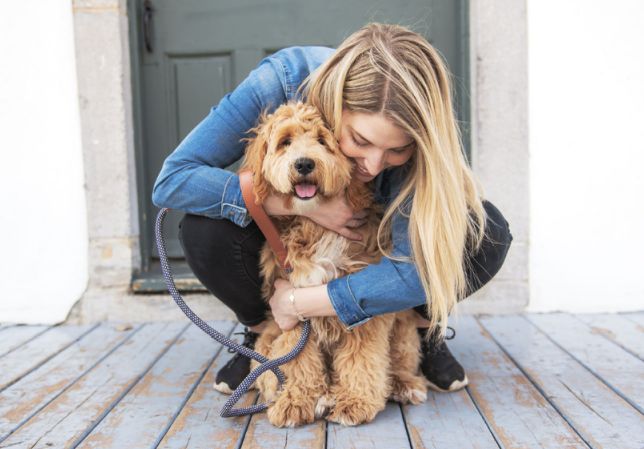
(313, 302)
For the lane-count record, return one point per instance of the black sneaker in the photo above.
(442, 370)
(236, 369)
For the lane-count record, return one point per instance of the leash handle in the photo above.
(266, 364)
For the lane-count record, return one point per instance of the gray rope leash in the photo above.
(266, 364)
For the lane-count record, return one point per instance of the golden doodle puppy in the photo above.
(345, 376)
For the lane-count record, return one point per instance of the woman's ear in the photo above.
(256, 150)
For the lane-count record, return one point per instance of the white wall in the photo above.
(586, 96)
(43, 268)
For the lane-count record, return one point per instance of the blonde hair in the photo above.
(392, 70)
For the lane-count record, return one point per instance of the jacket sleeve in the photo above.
(384, 287)
(192, 178)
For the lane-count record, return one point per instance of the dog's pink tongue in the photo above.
(305, 190)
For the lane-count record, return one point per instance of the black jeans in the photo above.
(225, 258)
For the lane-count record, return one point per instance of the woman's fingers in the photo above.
(348, 233)
(355, 223)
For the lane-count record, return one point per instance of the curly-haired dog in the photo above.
(347, 376)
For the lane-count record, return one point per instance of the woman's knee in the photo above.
(216, 244)
(488, 260)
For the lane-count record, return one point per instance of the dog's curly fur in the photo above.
(345, 376)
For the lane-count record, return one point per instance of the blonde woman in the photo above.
(386, 94)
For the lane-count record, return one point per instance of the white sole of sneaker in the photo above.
(222, 387)
(455, 386)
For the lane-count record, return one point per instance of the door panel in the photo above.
(202, 49)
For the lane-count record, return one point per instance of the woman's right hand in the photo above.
(334, 214)
(337, 215)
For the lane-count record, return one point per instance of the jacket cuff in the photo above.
(345, 304)
(233, 207)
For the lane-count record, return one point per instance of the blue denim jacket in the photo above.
(192, 180)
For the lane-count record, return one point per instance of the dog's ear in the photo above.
(256, 149)
(359, 196)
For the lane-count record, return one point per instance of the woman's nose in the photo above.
(375, 163)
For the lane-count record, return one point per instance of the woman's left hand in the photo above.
(281, 306)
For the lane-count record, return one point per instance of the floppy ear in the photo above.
(256, 150)
(359, 195)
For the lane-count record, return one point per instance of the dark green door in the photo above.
(188, 54)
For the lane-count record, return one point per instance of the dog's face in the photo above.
(295, 155)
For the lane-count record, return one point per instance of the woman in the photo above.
(385, 92)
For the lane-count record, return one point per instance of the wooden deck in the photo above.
(536, 381)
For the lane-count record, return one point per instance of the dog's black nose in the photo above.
(304, 165)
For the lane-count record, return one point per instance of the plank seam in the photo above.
(24, 342)
(242, 434)
(404, 419)
(485, 420)
(50, 357)
(192, 390)
(590, 370)
(618, 344)
(536, 386)
(114, 403)
(67, 387)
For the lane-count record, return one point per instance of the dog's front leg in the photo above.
(305, 382)
(360, 380)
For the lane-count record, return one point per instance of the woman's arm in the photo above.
(192, 178)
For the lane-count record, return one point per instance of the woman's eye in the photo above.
(358, 143)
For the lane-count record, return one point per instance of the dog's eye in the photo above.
(285, 142)
(321, 140)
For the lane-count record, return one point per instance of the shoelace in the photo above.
(248, 339)
(439, 346)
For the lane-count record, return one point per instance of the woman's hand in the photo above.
(281, 307)
(337, 215)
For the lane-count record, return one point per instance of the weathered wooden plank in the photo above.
(31, 355)
(637, 317)
(66, 418)
(515, 410)
(602, 418)
(12, 337)
(626, 333)
(447, 420)
(387, 431)
(142, 417)
(199, 424)
(621, 370)
(23, 399)
(261, 434)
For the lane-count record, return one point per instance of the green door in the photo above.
(186, 55)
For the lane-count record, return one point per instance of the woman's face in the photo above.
(374, 143)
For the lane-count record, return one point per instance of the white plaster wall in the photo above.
(43, 268)
(586, 97)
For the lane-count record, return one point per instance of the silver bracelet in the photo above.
(291, 298)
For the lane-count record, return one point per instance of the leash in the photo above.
(266, 364)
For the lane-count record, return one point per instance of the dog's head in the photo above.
(293, 154)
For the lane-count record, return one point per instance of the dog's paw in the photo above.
(324, 405)
(286, 412)
(411, 391)
(353, 411)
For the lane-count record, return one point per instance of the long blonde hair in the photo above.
(392, 70)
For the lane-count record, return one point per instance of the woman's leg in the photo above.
(487, 262)
(438, 364)
(225, 258)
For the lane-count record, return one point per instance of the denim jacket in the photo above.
(193, 180)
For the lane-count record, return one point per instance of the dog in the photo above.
(345, 376)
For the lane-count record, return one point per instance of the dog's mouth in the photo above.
(305, 190)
